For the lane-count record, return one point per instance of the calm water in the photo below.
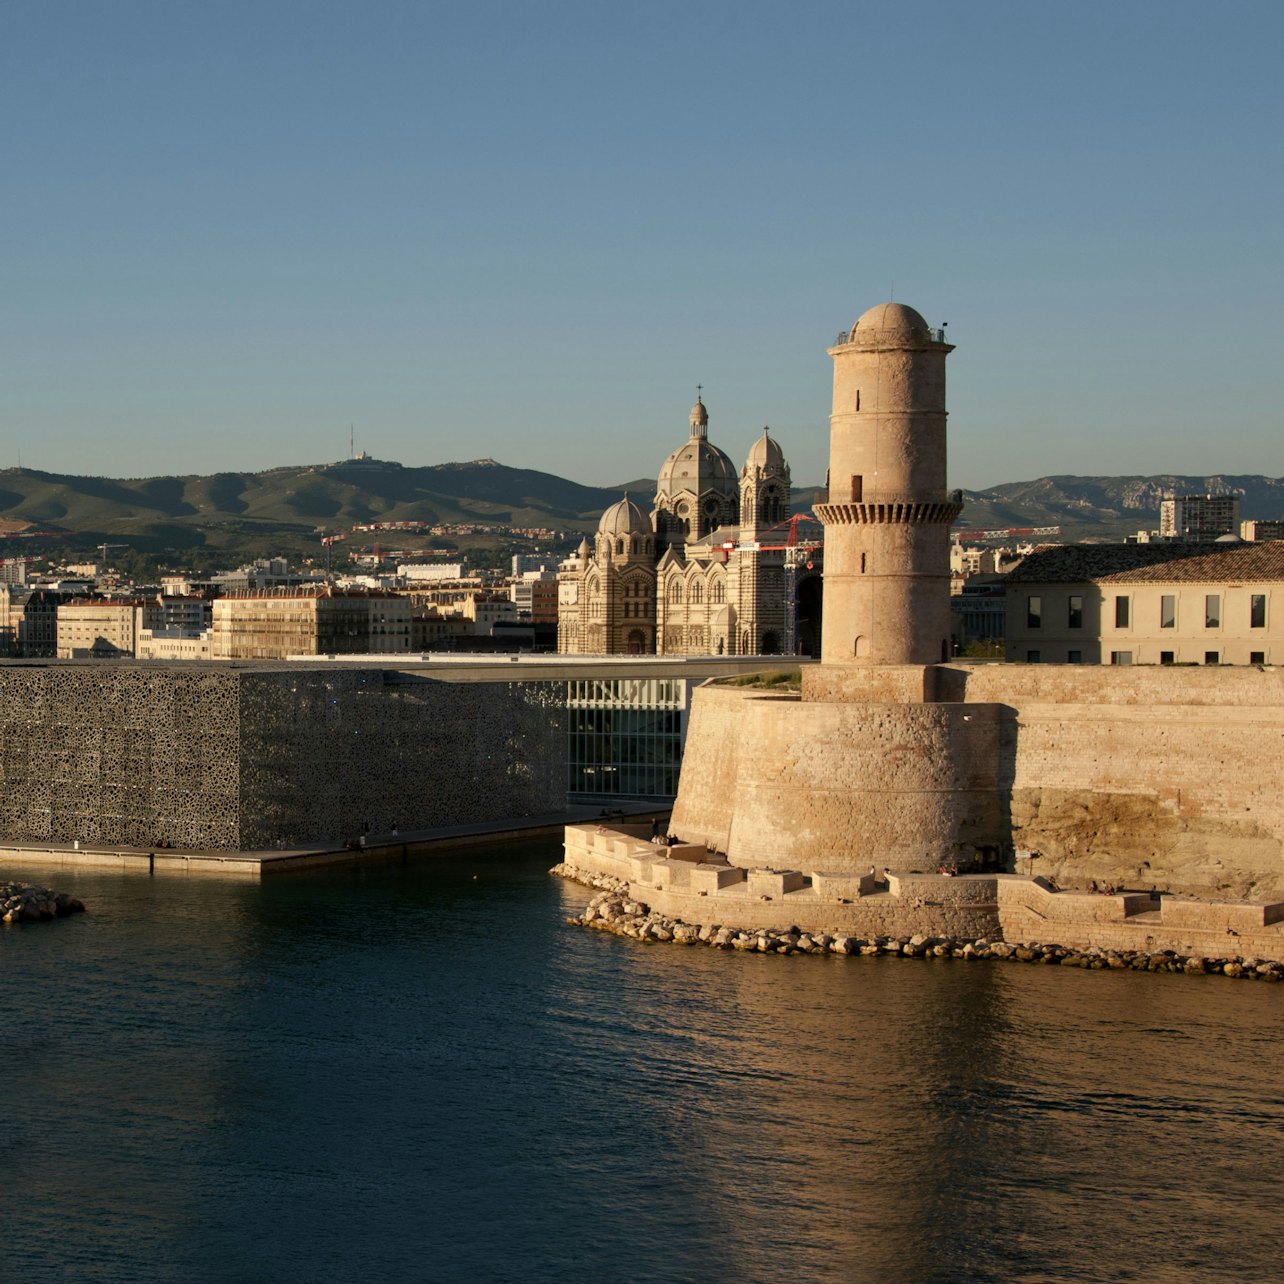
(414, 1074)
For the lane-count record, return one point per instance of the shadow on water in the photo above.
(420, 1072)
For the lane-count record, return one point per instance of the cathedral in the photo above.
(712, 570)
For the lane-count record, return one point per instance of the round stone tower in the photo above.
(888, 515)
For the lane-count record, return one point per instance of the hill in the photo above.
(284, 509)
(1109, 507)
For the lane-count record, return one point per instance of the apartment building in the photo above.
(1148, 604)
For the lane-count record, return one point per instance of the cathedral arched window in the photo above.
(675, 591)
(697, 592)
(718, 593)
(620, 548)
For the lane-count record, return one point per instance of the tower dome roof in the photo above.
(894, 320)
(699, 415)
(766, 454)
(624, 518)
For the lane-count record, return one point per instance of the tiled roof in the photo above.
(1152, 564)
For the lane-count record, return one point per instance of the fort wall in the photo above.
(1004, 907)
(837, 787)
(1133, 776)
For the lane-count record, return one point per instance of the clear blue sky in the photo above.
(528, 230)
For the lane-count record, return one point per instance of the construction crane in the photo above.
(1005, 532)
(103, 548)
(328, 541)
(800, 555)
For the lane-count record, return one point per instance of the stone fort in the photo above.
(894, 756)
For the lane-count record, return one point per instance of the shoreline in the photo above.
(615, 910)
(377, 849)
(688, 883)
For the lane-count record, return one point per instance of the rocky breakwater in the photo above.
(23, 903)
(614, 910)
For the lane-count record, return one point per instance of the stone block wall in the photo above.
(838, 786)
(1144, 777)
(1184, 798)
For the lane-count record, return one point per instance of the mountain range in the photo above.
(292, 505)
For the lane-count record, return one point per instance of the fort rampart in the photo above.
(684, 885)
(1144, 777)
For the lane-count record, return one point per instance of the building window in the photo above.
(675, 591)
(1257, 611)
(1032, 657)
(1074, 616)
(1121, 657)
(1123, 613)
(1166, 657)
(697, 592)
(1168, 611)
(1033, 612)
(1210, 657)
(858, 489)
(1257, 657)
(1213, 611)
(1074, 657)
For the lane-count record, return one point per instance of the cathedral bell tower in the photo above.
(887, 516)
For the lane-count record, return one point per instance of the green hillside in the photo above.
(285, 510)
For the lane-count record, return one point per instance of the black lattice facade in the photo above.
(225, 759)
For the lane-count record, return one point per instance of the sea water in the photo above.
(420, 1072)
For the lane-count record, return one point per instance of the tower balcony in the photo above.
(893, 509)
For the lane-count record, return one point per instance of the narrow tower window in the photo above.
(858, 489)
(857, 398)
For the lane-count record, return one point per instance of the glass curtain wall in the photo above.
(625, 737)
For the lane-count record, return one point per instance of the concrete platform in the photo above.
(379, 848)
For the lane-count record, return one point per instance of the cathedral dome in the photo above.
(624, 518)
(765, 455)
(697, 466)
(893, 320)
(699, 415)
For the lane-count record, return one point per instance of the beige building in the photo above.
(706, 572)
(1148, 604)
(271, 624)
(174, 644)
(101, 628)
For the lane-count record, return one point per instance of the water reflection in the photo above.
(420, 1072)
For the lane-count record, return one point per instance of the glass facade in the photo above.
(625, 737)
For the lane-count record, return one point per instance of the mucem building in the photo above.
(250, 757)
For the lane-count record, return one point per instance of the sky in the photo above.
(528, 230)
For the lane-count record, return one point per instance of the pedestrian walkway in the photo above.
(256, 864)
